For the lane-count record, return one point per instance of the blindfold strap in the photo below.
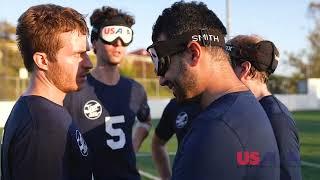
(205, 37)
(264, 55)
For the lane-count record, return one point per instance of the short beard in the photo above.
(187, 85)
(60, 79)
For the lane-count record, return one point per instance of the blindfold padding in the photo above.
(111, 33)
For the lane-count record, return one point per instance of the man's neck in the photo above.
(106, 74)
(219, 85)
(259, 89)
(209, 96)
(41, 86)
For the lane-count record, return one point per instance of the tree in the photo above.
(10, 63)
(314, 40)
(7, 31)
(307, 62)
(10, 58)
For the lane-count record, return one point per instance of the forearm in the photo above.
(139, 136)
(161, 159)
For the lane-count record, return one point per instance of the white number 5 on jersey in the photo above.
(115, 132)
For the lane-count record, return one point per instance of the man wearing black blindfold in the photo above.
(232, 137)
(254, 60)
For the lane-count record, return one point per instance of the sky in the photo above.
(285, 22)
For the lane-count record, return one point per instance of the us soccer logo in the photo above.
(181, 120)
(82, 144)
(92, 110)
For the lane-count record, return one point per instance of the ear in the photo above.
(196, 51)
(245, 70)
(41, 60)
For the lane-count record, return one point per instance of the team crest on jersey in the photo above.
(82, 144)
(181, 120)
(92, 109)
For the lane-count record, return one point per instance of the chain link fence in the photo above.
(12, 87)
(154, 89)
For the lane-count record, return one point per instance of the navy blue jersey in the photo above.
(287, 137)
(105, 115)
(41, 142)
(176, 119)
(231, 139)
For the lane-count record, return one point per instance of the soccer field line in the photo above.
(310, 164)
(149, 154)
(148, 175)
(303, 163)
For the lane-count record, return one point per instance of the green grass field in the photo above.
(309, 130)
(308, 124)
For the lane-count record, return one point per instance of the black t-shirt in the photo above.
(176, 119)
(286, 135)
(41, 142)
(105, 115)
(231, 139)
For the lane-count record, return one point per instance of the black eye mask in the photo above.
(264, 56)
(161, 51)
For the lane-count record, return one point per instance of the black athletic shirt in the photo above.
(231, 139)
(105, 115)
(41, 142)
(287, 137)
(176, 119)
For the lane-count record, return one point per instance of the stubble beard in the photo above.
(186, 84)
(62, 79)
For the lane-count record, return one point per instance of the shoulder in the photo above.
(171, 105)
(236, 112)
(185, 106)
(245, 105)
(280, 117)
(34, 113)
(47, 113)
(191, 109)
(135, 84)
(235, 105)
(236, 100)
(21, 107)
(40, 107)
(172, 102)
(273, 105)
(168, 113)
(133, 87)
(20, 118)
(211, 127)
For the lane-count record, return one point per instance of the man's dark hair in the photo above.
(186, 16)
(99, 16)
